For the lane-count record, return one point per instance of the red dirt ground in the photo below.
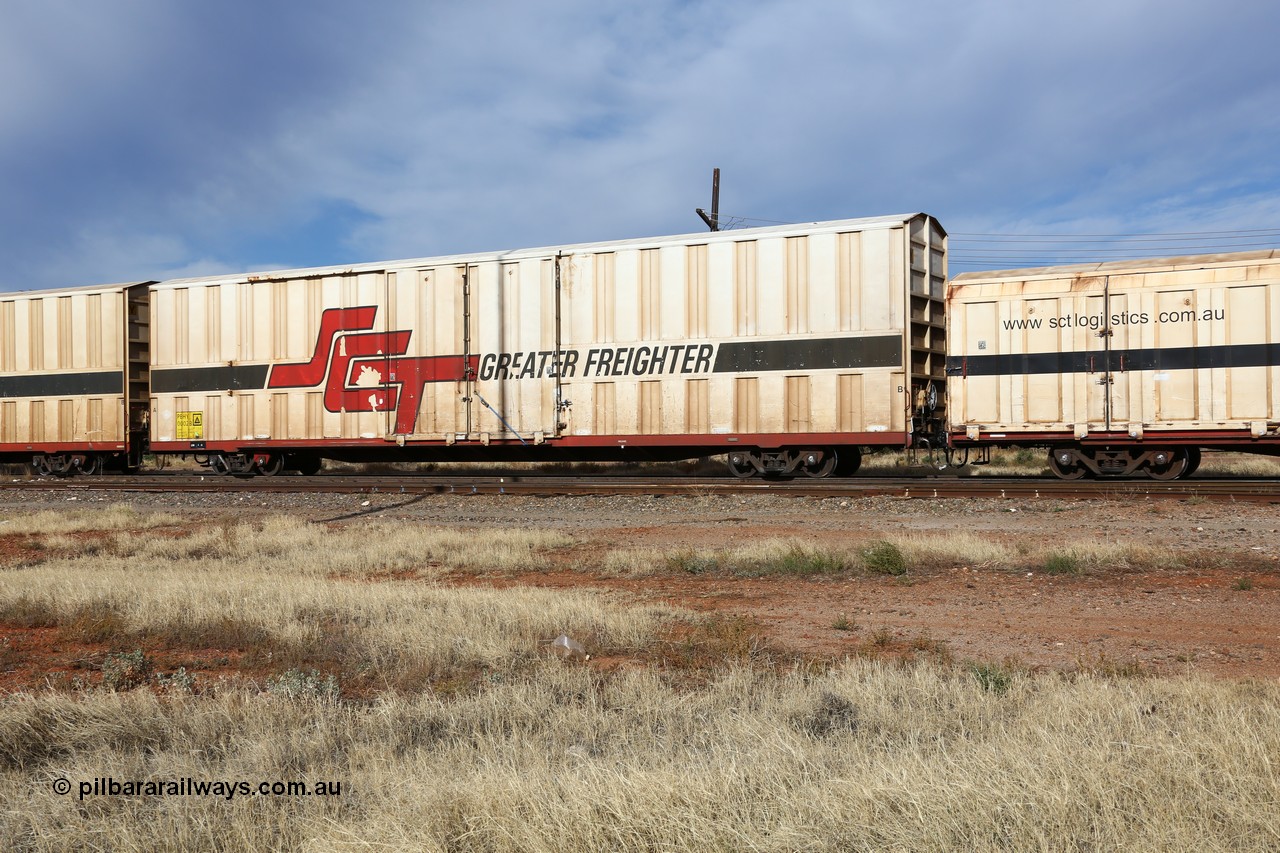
(1136, 621)
(1223, 620)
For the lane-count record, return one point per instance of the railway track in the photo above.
(523, 483)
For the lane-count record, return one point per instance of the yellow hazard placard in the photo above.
(190, 426)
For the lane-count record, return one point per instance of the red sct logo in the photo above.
(367, 371)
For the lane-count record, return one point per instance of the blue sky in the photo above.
(155, 139)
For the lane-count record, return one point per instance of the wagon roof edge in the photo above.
(870, 223)
(1136, 265)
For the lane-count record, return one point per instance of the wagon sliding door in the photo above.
(513, 313)
(427, 330)
(1117, 342)
(1105, 338)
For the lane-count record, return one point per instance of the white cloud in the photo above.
(243, 134)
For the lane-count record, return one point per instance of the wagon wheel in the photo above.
(848, 461)
(821, 468)
(91, 465)
(957, 456)
(1066, 472)
(274, 465)
(1179, 465)
(218, 463)
(740, 466)
(1193, 461)
(40, 466)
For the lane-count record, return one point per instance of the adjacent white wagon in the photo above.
(73, 377)
(1119, 367)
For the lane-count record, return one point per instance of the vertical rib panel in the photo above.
(797, 285)
(744, 287)
(696, 292)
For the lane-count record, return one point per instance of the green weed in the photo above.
(884, 558)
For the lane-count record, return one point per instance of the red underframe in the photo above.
(64, 447)
(718, 442)
(1149, 437)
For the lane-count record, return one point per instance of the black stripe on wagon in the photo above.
(190, 380)
(1096, 361)
(809, 354)
(87, 384)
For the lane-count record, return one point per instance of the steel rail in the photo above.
(920, 487)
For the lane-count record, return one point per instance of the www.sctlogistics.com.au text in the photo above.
(1124, 318)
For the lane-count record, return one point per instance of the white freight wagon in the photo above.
(787, 348)
(1119, 367)
(73, 377)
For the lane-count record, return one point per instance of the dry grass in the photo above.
(1238, 465)
(288, 594)
(108, 518)
(753, 559)
(866, 757)
(282, 542)
(897, 555)
(465, 736)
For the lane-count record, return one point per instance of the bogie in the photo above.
(1073, 462)
(817, 463)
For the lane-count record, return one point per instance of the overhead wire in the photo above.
(978, 249)
(974, 250)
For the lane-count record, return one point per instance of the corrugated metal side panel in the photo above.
(661, 315)
(8, 337)
(784, 288)
(1190, 347)
(429, 304)
(66, 348)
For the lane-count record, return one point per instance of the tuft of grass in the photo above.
(882, 638)
(1111, 669)
(758, 559)
(10, 653)
(29, 611)
(952, 549)
(1062, 563)
(884, 558)
(225, 632)
(1243, 584)
(692, 562)
(799, 560)
(831, 715)
(94, 622)
(708, 644)
(938, 650)
(844, 622)
(993, 678)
